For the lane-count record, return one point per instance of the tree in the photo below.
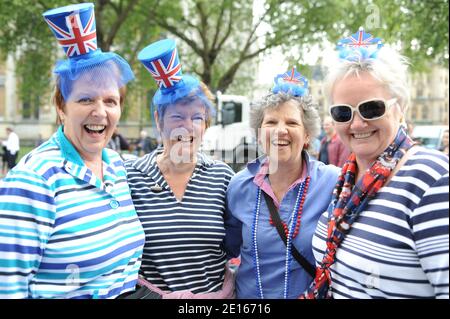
(419, 28)
(227, 30)
(222, 37)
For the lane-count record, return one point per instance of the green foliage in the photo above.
(220, 40)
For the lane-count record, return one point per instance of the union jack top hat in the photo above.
(161, 60)
(74, 28)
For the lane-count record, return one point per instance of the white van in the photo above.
(429, 136)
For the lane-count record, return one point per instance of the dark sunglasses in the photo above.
(368, 110)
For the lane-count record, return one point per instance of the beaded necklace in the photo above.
(294, 227)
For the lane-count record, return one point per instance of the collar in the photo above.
(70, 153)
(147, 165)
(261, 177)
(74, 164)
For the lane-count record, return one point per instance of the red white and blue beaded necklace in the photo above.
(291, 232)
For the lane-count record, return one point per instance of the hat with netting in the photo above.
(75, 30)
(291, 82)
(161, 60)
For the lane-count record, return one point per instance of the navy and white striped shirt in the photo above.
(399, 245)
(183, 248)
(64, 233)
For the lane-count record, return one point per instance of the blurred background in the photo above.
(235, 47)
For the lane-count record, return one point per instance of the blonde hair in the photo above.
(388, 67)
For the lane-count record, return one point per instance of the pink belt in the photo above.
(227, 291)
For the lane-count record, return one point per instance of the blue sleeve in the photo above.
(430, 222)
(233, 228)
(27, 212)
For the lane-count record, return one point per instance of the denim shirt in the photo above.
(241, 202)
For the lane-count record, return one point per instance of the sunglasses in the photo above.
(368, 110)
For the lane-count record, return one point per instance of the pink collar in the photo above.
(261, 181)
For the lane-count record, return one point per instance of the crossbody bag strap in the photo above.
(310, 269)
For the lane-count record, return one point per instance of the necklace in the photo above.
(294, 226)
(299, 215)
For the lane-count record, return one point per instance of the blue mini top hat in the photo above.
(161, 60)
(359, 46)
(75, 30)
(291, 82)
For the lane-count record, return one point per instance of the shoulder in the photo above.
(215, 167)
(240, 179)
(427, 160)
(318, 169)
(114, 157)
(141, 164)
(41, 159)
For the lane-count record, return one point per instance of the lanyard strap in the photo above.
(310, 269)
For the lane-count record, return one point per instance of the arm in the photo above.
(26, 218)
(430, 222)
(233, 234)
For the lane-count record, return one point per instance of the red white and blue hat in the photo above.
(291, 82)
(359, 46)
(75, 30)
(161, 60)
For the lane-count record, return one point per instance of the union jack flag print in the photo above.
(76, 32)
(166, 73)
(359, 39)
(295, 78)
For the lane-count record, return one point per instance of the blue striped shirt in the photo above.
(399, 245)
(64, 233)
(183, 248)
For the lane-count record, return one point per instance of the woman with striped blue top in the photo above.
(178, 192)
(385, 234)
(68, 227)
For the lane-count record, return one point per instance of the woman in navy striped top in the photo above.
(386, 232)
(68, 228)
(179, 193)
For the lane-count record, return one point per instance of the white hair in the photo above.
(388, 67)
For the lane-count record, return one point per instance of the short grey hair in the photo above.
(310, 118)
(388, 67)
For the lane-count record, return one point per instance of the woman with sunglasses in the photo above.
(385, 234)
(275, 203)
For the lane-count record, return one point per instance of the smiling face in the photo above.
(367, 139)
(283, 134)
(90, 116)
(182, 129)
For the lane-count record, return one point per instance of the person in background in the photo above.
(145, 144)
(386, 231)
(274, 203)
(68, 227)
(11, 148)
(118, 142)
(332, 150)
(4, 161)
(178, 192)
